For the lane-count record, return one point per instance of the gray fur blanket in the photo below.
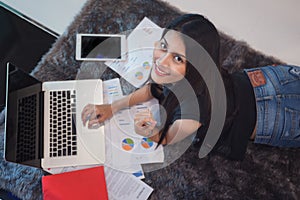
(265, 173)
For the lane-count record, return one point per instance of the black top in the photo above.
(241, 102)
(240, 118)
(186, 108)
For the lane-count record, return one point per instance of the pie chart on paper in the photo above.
(147, 143)
(127, 144)
(139, 75)
(146, 65)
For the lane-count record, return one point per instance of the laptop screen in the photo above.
(23, 117)
(22, 42)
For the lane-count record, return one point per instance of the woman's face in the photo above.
(169, 59)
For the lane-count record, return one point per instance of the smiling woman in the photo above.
(184, 94)
(169, 60)
(188, 177)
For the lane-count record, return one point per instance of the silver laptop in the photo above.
(43, 121)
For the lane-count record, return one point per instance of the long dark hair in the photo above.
(202, 31)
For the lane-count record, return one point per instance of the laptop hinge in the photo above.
(41, 126)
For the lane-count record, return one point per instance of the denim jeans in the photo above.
(277, 93)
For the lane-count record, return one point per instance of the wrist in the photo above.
(120, 104)
(150, 134)
(154, 134)
(114, 107)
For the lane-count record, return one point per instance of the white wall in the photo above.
(54, 14)
(270, 26)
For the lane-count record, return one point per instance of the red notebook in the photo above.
(82, 184)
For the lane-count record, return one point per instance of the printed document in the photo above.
(140, 44)
(126, 150)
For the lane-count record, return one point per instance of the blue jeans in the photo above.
(277, 93)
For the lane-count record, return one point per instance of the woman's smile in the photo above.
(159, 71)
(169, 61)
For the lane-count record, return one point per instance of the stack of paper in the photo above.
(126, 150)
(140, 44)
(94, 183)
(81, 184)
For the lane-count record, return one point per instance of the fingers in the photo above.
(144, 123)
(144, 130)
(86, 113)
(94, 124)
(96, 121)
(95, 114)
(144, 114)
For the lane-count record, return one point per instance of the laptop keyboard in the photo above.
(63, 138)
(26, 146)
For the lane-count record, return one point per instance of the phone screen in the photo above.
(101, 47)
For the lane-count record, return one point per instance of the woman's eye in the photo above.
(178, 59)
(163, 46)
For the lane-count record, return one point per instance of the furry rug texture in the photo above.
(265, 173)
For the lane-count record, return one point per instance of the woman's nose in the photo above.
(164, 59)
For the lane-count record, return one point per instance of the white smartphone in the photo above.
(100, 47)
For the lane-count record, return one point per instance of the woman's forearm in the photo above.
(179, 130)
(141, 95)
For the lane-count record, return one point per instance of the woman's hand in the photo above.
(96, 114)
(144, 123)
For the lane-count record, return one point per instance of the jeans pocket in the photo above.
(287, 74)
(291, 129)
